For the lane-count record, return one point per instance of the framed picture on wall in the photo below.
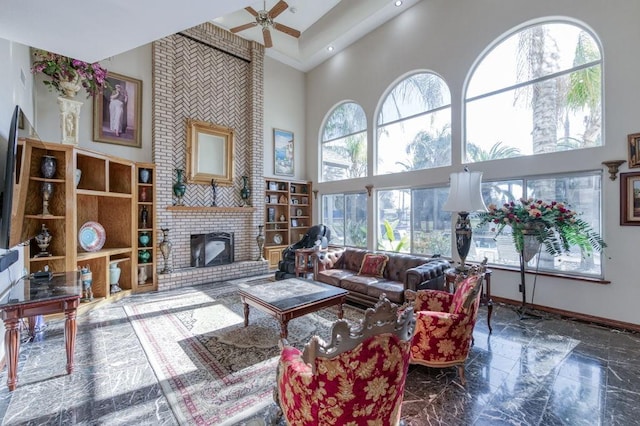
(117, 112)
(282, 152)
(634, 150)
(630, 198)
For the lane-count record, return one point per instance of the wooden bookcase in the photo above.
(288, 215)
(107, 193)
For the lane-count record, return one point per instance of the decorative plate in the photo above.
(277, 239)
(92, 236)
(299, 212)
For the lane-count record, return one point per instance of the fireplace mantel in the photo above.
(247, 210)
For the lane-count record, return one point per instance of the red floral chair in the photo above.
(444, 322)
(356, 379)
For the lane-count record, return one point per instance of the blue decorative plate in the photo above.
(92, 236)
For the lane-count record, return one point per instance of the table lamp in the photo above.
(465, 196)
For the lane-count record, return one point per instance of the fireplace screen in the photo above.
(211, 249)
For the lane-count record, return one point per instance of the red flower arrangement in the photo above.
(553, 224)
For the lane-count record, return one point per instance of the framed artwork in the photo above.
(209, 153)
(294, 222)
(282, 152)
(634, 150)
(117, 112)
(630, 198)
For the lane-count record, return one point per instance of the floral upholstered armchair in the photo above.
(445, 322)
(356, 379)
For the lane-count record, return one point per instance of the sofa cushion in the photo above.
(333, 276)
(393, 289)
(374, 286)
(373, 264)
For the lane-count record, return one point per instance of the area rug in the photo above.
(213, 370)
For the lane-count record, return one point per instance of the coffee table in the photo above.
(291, 298)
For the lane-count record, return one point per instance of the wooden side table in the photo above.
(304, 262)
(485, 297)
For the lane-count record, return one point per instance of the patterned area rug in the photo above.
(213, 370)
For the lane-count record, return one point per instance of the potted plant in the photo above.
(67, 75)
(553, 224)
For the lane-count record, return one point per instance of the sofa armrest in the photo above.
(429, 275)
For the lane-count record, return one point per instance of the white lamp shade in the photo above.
(465, 194)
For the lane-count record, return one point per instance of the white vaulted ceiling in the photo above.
(92, 31)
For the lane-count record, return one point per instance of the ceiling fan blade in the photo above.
(287, 30)
(243, 27)
(276, 10)
(251, 11)
(267, 37)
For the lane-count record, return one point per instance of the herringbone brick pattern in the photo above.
(208, 74)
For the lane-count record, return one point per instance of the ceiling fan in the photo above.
(265, 19)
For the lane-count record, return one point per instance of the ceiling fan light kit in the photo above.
(265, 19)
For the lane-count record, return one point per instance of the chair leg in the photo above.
(463, 381)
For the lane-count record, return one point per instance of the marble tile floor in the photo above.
(546, 371)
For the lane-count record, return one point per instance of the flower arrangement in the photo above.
(553, 224)
(65, 73)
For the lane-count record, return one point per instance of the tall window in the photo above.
(344, 143)
(537, 91)
(412, 220)
(581, 191)
(346, 217)
(414, 126)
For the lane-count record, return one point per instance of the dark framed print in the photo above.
(117, 112)
(282, 152)
(630, 198)
(633, 141)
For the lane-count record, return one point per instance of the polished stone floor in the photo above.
(546, 371)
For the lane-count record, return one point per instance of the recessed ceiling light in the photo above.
(398, 3)
(330, 48)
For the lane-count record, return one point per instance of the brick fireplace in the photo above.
(208, 74)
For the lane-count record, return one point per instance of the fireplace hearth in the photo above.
(213, 249)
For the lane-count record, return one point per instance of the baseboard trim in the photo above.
(574, 315)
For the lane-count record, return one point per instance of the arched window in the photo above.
(344, 143)
(537, 91)
(414, 125)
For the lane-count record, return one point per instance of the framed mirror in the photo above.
(209, 153)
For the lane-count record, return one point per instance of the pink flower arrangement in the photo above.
(553, 224)
(62, 69)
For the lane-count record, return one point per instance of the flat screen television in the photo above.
(8, 162)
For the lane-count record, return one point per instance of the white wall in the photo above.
(284, 108)
(135, 63)
(447, 37)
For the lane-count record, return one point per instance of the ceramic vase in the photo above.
(114, 276)
(143, 194)
(77, 177)
(179, 188)
(144, 256)
(144, 175)
(142, 274)
(165, 249)
(48, 165)
(144, 239)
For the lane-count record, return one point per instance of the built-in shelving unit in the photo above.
(288, 215)
(87, 187)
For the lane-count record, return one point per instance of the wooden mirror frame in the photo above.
(207, 141)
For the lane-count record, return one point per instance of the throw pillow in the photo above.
(373, 264)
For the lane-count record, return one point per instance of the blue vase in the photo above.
(144, 239)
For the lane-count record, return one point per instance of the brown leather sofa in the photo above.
(339, 267)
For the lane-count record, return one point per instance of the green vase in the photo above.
(144, 256)
(144, 239)
(179, 188)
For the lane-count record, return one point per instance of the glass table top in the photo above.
(31, 290)
(292, 293)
